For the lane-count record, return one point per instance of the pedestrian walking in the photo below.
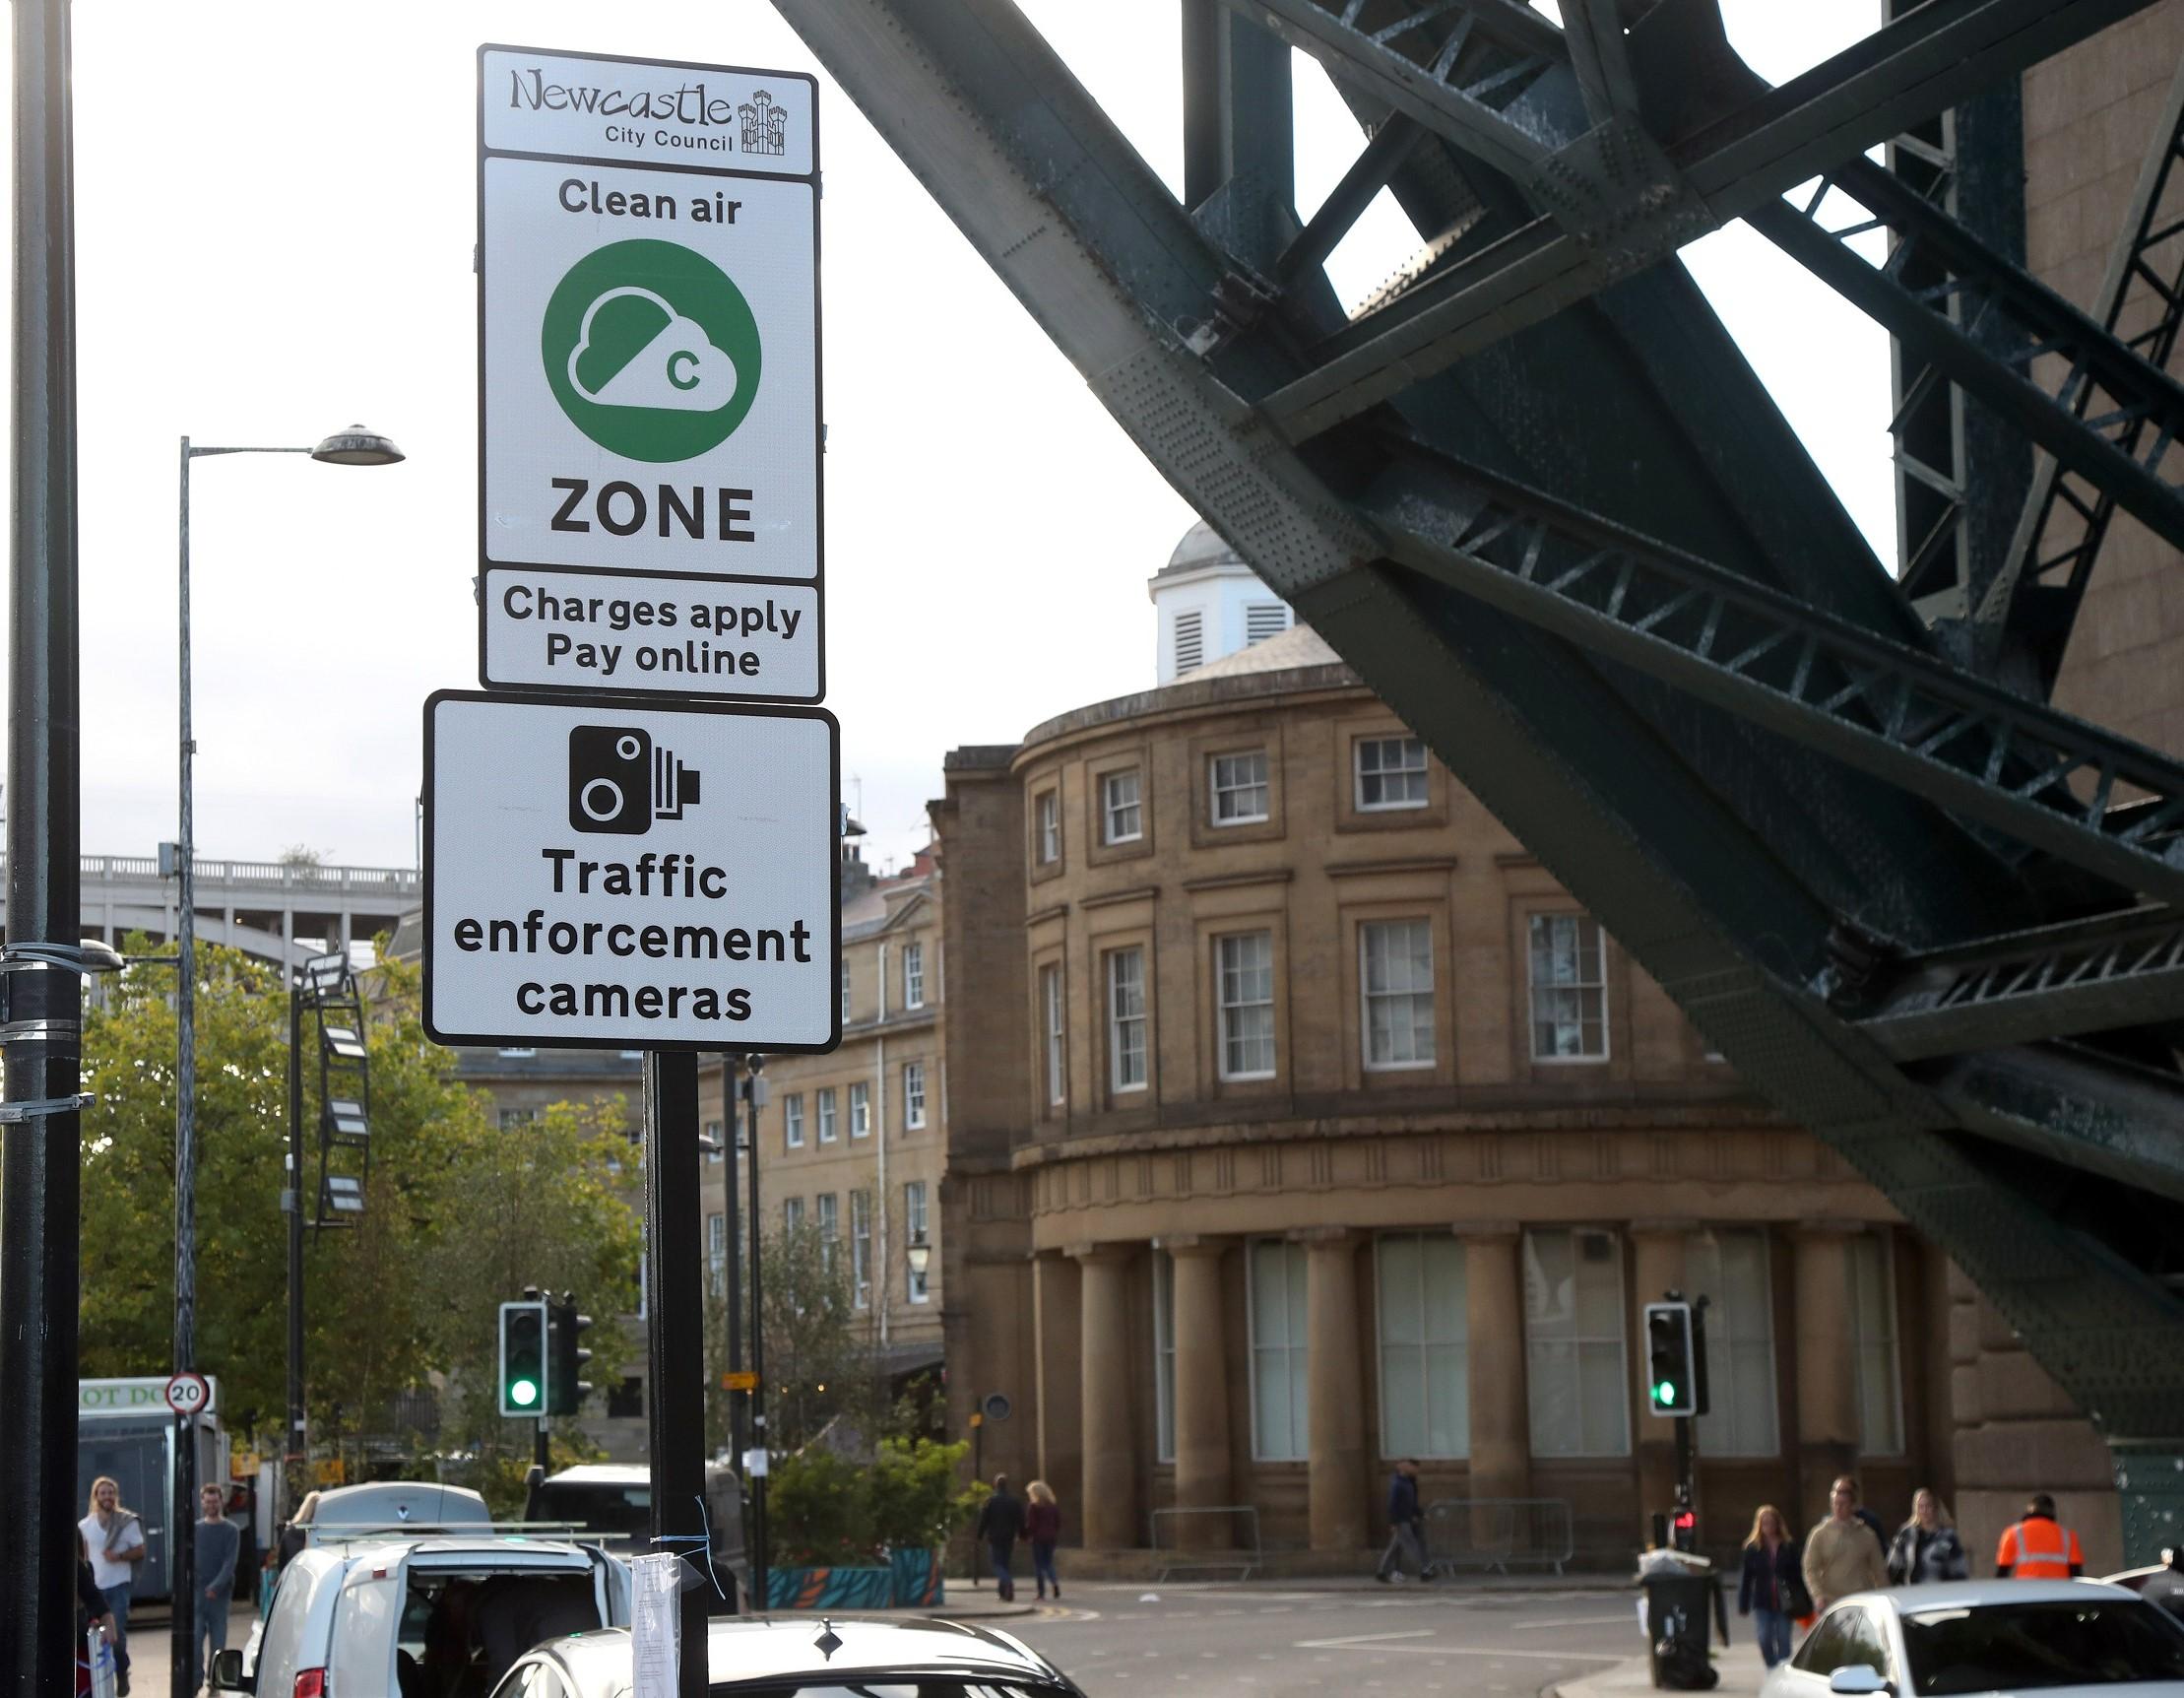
(2037, 1546)
(1926, 1548)
(1841, 1554)
(1771, 1590)
(218, 1542)
(115, 1537)
(1406, 1526)
(1000, 1520)
(1043, 1526)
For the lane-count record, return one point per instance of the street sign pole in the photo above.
(734, 1088)
(674, 1410)
(39, 1152)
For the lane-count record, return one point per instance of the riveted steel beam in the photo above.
(2033, 599)
(1419, 67)
(2056, 981)
(1126, 285)
(1930, 58)
(2071, 1106)
(1971, 746)
(2024, 320)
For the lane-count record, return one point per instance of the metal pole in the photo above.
(758, 1580)
(734, 1092)
(292, 1199)
(40, 1179)
(675, 1410)
(182, 1634)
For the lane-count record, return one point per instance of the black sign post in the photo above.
(675, 1401)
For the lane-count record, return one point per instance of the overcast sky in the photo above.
(275, 219)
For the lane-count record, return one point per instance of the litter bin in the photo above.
(1677, 1602)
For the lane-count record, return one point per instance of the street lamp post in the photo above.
(355, 446)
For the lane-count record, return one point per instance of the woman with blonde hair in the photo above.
(1772, 1588)
(1043, 1526)
(113, 1536)
(1926, 1546)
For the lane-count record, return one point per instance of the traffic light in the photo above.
(1671, 1389)
(1686, 1535)
(566, 1387)
(523, 1357)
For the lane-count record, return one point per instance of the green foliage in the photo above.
(915, 1503)
(824, 1509)
(458, 1213)
(819, 1510)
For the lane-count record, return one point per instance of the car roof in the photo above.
(384, 1501)
(752, 1647)
(1981, 1593)
(603, 1474)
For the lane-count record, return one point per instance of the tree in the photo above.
(544, 1204)
(820, 1359)
(388, 1300)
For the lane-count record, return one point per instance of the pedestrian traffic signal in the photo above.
(523, 1357)
(1685, 1535)
(1671, 1387)
(566, 1387)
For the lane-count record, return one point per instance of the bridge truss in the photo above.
(1535, 496)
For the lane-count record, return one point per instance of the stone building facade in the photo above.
(854, 1143)
(1300, 1122)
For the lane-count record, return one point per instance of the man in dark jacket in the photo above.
(1406, 1526)
(1000, 1520)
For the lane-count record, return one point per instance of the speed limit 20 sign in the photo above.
(189, 1393)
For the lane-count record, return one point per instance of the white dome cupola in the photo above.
(1209, 603)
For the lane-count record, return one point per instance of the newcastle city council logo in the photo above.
(651, 350)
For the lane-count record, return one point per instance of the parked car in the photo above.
(377, 1617)
(1987, 1636)
(782, 1655)
(611, 1504)
(396, 1507)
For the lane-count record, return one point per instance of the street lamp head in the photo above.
(920, 1257)
(356, 446)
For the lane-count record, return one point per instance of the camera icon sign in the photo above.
(620, 782)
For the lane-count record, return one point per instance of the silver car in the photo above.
(1987, 1636)
(809, 1656)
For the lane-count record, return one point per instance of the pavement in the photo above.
(1289, 1638)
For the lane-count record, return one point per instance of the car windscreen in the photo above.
(2015, 1646)
(596, 1506)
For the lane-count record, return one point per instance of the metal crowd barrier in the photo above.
(1175, 1558)
(1492, 1533)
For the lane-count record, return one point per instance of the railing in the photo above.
(1197, 1543)
(1492, 1533)
(401, 882)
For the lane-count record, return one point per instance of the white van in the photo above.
(420, 1618)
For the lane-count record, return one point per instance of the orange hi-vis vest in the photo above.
(2037, 1548)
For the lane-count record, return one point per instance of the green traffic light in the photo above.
(1665, 1391)
(523, 1393)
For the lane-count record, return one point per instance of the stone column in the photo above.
(1202, 1391)
(1494, 1303)
(1109, 1513)
(1827, 1367)
(1334, 1391)
(1657, 1264)
(1058, 1315)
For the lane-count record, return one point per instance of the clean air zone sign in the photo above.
(649, 368)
